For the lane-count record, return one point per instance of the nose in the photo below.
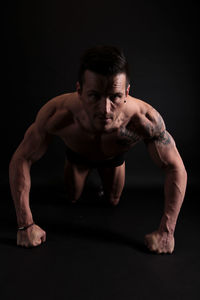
(105, 106)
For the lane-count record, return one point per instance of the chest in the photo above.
(97, 147)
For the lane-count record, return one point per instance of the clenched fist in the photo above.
(160, 242)
(31, 237)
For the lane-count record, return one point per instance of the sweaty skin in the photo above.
(99, 121)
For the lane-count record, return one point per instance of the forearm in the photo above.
(174, 189)
(20, 183)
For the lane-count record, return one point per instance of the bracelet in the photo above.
(25, 227)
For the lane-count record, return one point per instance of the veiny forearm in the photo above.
(20, 183)
(175, 186)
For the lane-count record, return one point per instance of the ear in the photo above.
(78, 88)
(127, 90)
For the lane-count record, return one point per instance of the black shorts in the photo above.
(78, 159)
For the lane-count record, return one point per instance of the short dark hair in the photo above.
(105, 60)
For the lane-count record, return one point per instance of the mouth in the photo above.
(105, 117)
(105, 120)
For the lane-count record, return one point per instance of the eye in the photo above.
(115, 97)
(94, 96)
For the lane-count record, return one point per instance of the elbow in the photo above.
(178, 169)
(13, 162)
(185, 173)
(182, 171)
(14, 158)
(17, 161)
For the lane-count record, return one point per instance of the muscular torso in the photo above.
(70, 123)
(96, 147)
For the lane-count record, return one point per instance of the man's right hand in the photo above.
(31, 237)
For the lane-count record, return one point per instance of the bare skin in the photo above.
(99, 121)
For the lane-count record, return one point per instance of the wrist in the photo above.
(24, 219)
(23, 228)
(166, 225)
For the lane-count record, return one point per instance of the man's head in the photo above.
(103, 60)
(103, 85)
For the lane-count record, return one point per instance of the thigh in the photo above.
(75, 176)
(113, 179)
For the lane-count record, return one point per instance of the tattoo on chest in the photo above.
(127, 137)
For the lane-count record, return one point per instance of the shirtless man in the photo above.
(98, 124)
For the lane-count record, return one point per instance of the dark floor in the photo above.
(96, 252)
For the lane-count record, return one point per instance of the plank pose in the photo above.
(99, 123)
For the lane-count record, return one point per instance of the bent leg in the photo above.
(113, 180)
(75, 177)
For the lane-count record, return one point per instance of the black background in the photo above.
(43, 41)
(94, 251)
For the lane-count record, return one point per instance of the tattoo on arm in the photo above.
(157, 131)
(164, 138)
(127, 137)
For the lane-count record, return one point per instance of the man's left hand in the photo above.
(160, 242)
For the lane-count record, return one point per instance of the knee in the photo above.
(73, 192)
(114, 200)
(72, 196)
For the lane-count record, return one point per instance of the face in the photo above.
(103, 98)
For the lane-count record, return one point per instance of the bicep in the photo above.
(34, 144)
(163, 151)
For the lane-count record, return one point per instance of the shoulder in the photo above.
(55, 112)
(146, 120)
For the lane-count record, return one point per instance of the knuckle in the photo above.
(36, 243)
